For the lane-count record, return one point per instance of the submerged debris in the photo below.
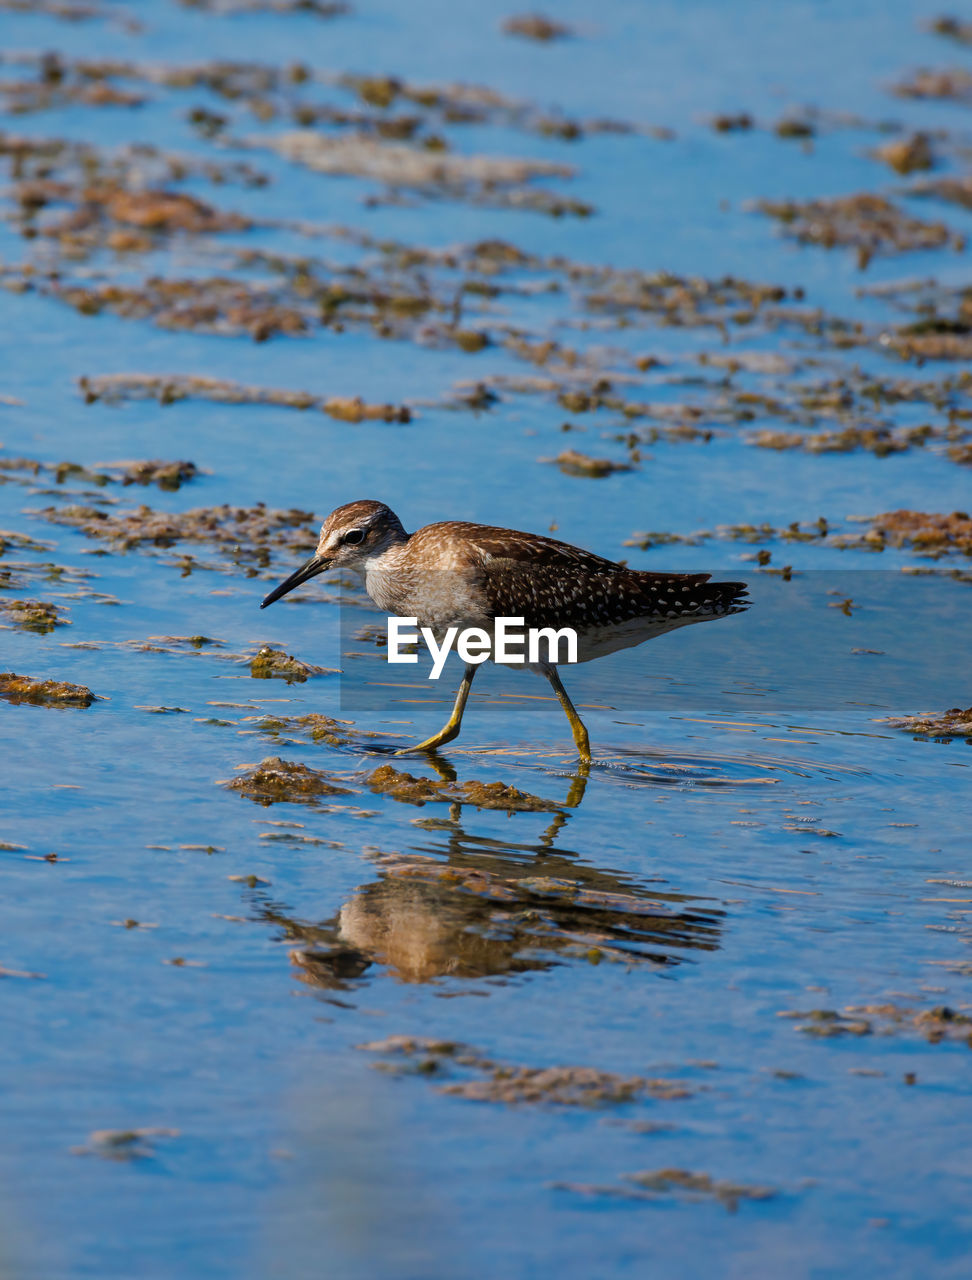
(274, 779)
(44, 693)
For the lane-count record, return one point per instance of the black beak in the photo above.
(314, 566)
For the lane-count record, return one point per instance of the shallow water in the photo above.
(753, 839)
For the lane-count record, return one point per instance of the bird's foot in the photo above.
(448, 734)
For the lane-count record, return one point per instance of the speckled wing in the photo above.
(552, 584)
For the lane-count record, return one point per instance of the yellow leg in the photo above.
(581, 740)
(452, 726)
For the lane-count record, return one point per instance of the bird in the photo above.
(455, 573)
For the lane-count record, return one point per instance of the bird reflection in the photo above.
(467, 906)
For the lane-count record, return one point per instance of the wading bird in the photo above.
(463, 575)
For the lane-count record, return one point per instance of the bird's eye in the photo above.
(354, 536)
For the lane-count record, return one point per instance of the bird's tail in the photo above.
(694, 595)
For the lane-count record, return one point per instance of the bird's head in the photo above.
(350, 536)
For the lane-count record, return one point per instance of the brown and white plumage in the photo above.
(459, 574)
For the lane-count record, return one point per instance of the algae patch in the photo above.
(386, 780)
(951, 724)
(124, 1145)
(44, 693)
(275, 779)
(512, 1085)
(871, 224)
(117, 388)
(536, 26)
(270, 663)
(33, 615)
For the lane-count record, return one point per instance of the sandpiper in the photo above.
(468, 575)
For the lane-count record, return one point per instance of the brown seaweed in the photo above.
(44, 693)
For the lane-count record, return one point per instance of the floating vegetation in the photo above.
(907, 155)
(742, 122)
(116, 388)
(683, 301)
(488, 180)
(871, 224)
(74, 11)
(879, 440)
(33, 615)
(954, 83)
(247, 533)
(515, 1085)
(935, 338)
(698, 1185)
(104, 214)
(536, 26)
(574, 463)
(386, 780)
(952, 27)
(58, 84)
(224, 8)
(214, 305)
(123, 1145)
(951, 724)
(315, 728)
(954, 190)
(828, 1023)
(167, 475)
(15, 575)
(44, 693)
(57, 170)
(274, 780)
(560, 1086)
(795, 127)
(270, 663)
(935, 1025)
(926, 533)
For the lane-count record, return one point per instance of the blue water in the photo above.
(744, 773)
